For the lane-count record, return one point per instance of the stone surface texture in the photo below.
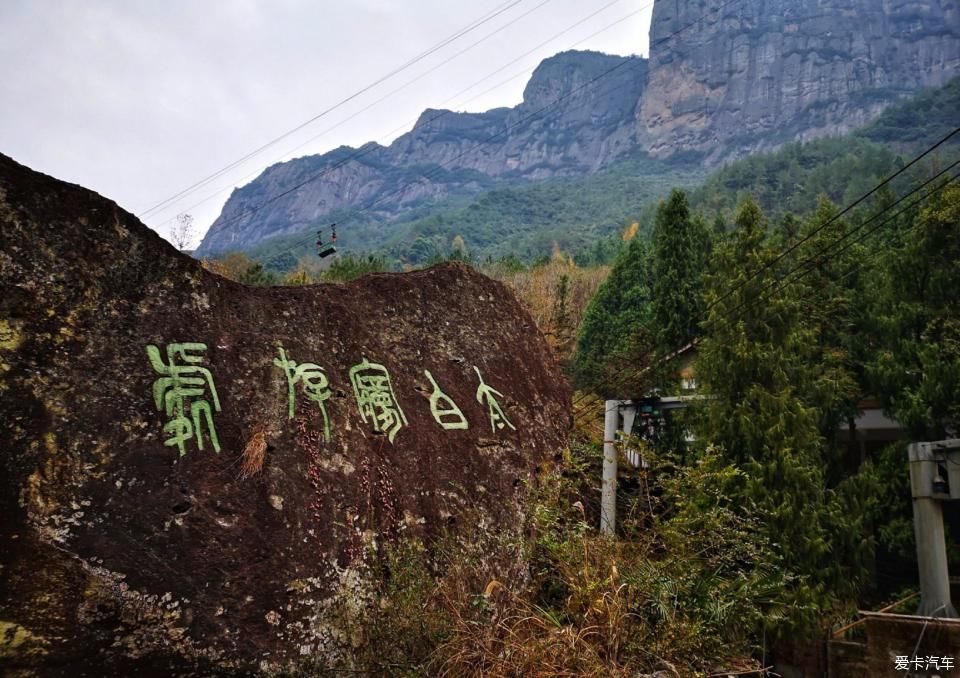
(757, 73)
(449, 153)
(119, 555)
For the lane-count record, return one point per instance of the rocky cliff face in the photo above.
(540, 137)
(449, 153)
(722, 83)
(195, 475)
(759, 73)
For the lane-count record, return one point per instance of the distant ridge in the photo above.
(752, 76)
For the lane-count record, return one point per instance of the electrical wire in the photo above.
(445, 166)
(587, 413)
(816, 259)
(369, 148)
(500, 9)
(849, 207)
(819, 257)
(422, 177)
(784, 282)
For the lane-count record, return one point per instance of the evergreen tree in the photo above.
(832, 302)
(719, 229)
(350, 267)
(256, 274)
(829, 283)
(758, 365)
(917, 307)
(615, 338)
(680, 246)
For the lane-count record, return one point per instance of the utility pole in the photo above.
(934, 478)
(612, 434)
(608, 488)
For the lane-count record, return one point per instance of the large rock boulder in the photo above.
(192, 470)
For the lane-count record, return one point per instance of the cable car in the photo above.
(324, 250)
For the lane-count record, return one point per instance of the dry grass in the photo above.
(586, 619)
(678, 594)
(254, 453)
(521, 638)
(556, 294)
(231, 266)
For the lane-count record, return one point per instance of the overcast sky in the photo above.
(138, 99)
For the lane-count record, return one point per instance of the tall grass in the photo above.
(684, 589)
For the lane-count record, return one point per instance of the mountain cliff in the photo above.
(719, 84)
(450, 153)
(759, 73)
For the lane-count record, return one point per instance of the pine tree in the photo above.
(758, 365)
(917, 308)
(615, 337)
(680, 246)
(827, 278)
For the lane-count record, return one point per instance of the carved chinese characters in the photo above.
(182, 389)
(314, 383)
(445, 412)
(185, 392)
(486, 394)
(375, 398)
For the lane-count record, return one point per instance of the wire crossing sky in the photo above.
(138, 100)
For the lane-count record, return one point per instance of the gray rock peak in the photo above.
(569, 75)
(758, 73)
(724, 83)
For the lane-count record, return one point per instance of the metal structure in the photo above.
(324, 250)
(618, 423)
(934, 478)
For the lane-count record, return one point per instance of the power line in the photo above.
(808, 264)
(815, 259)
(824, 225)
(637, 373)
(538, 112)
(849, 207)
(788, 279)
(430, 174)
(444, 166)
(423, 176)
(443, 43)
(368, 148)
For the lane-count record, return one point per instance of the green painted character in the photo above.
(183, 389)
(314, 383)
(450, 416)
(485, 393)
(375, 398)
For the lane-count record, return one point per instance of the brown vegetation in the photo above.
(253, 453)
(682, 595)
(556, 294)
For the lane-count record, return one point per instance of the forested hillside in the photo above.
(797, 321)
(791, 179)
(575, 214)
(758, 75)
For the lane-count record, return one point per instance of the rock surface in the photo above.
(449, 153)
(723, 80)
(123, 553)
(759, 73)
